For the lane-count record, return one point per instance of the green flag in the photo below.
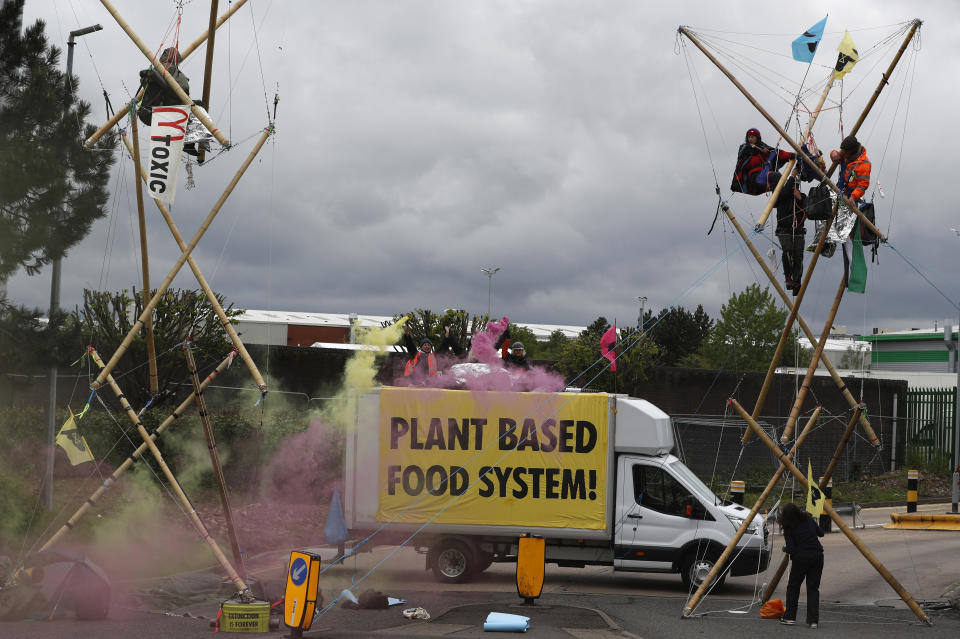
(857, 279)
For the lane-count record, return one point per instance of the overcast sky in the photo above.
(559, 140)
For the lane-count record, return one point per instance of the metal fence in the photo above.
(928, 421)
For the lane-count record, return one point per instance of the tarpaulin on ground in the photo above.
(522, 459)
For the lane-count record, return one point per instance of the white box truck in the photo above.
(471, 471)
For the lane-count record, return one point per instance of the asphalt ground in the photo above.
(576, 604)
(461, 614)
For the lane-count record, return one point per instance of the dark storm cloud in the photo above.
(419, 141)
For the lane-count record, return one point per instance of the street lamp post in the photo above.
(55, 303)
(490, 272)
(643, 301)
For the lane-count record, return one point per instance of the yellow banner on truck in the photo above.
(493, 458)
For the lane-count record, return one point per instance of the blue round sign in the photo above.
(298, 571)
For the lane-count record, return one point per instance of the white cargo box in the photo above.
(642, 428)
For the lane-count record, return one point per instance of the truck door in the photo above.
(652, 520)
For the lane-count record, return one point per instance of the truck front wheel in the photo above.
(453, 562)
(695, 567)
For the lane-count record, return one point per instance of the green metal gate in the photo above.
(927, 423)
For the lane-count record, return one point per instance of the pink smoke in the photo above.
(483, 346)
(484, 369)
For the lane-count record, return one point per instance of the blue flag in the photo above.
(806, 45)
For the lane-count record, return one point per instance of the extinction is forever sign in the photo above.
(526, 459)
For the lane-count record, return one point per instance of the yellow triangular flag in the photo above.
(814, 496)
(847, 58)
(73, 443)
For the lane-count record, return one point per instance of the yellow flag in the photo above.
(73, 443)
(847, 58)
(814, 496)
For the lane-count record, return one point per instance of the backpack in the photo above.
(819, 203)
(868, 237)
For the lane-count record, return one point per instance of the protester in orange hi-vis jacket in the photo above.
(854, 168)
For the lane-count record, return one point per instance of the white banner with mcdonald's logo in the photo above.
(521, 459)
(167, 128)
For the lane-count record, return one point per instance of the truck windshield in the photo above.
(694, 482)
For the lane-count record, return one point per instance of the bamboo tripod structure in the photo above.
(214, 457)
(721, 561)
(134, 456)
(113, 121)
(238, 582)
(144, 261)
(200, 114)
(827, 508)
(794, 314)
(145, 318)
(824, 480)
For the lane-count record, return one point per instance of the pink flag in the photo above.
(609, 338)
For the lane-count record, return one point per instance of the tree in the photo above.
(552, 349)
(855, 359)
(747, 333)
(678, 333)
(583, 365)
(28, 345)
(108, 317)
(51, 188)
(425, 323)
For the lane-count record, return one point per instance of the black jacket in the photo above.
(803, 537)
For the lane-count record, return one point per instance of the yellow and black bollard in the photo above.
(913, 478)
(301, 598)
(826, 524)
(531, 560)
(737, 489)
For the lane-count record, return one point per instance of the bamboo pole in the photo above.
(144, 261)
(134, 456)
(174, 484)
(827, 475)
(783, 134)
(112, 122)
(174, 86)
(788, 326)
(208, 68)
(841, 385)
(208, 291)
(214, 457)
(827, 508)
(125, 344)
(732, 544)
(789, 166)
(814, 361)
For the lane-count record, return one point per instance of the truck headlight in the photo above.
(752, 529)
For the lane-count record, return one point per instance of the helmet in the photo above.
(425, 340)
(755, 132)
(516, 346)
